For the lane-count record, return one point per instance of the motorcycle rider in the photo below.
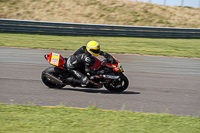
(80, 62)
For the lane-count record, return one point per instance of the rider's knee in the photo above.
(85, 80)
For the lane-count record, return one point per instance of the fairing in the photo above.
(96, 64)
(111, 62)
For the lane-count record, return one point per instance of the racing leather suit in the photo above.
(79, 63)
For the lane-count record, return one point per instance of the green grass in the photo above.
(143, 46)
(36, 119)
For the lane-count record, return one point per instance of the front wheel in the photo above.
(47, 81)
(117, 85)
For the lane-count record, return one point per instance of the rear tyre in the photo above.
(48, 82)
(117, 85)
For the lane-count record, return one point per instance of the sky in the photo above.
(191, 3)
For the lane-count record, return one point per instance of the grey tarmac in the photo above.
(157, 84)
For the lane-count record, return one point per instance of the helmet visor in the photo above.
(97, 51)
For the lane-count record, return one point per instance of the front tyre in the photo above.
(47, 81)
(117, 85)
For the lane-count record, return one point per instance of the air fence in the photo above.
(78, 29)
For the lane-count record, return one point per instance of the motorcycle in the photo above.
(113, 79)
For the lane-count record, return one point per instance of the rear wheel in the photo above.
(48, 82)
(117, 85)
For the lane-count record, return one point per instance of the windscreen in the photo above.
(111, 60)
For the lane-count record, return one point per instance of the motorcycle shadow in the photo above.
(98, 91)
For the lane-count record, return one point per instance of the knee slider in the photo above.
(85, 80)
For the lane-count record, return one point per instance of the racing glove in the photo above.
(104, 54)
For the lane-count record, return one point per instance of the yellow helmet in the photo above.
(93, 48)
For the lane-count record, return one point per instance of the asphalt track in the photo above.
(157, 84)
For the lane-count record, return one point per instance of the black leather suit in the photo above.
(79, 63)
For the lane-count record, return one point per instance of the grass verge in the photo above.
(36, 119)
(143, 46)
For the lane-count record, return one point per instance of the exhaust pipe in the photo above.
(52, 78)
